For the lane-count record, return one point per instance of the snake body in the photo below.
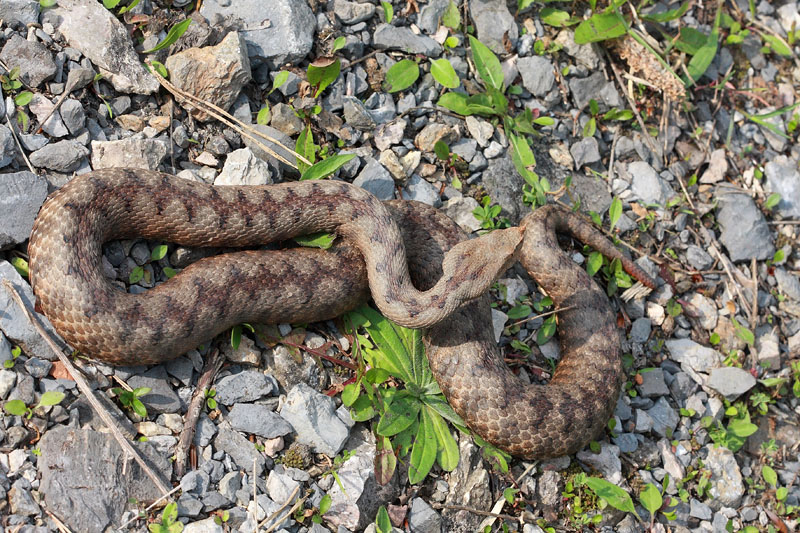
(437, 279)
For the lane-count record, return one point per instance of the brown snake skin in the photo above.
(302, 285)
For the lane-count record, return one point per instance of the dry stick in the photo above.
(212, 366)
(553, 312)
(87, 391)
(228, 119)
(500, 503)
(19, 145)
(473, 511)
(281, 508)
(754, 304)
(360, 59)
(59, 524)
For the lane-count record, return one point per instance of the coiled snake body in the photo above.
(302, 285)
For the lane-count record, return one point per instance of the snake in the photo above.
(419, 267)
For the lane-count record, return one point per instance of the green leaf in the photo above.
(350, 393)
(441, 150)
(509, 494)
(160, 68)
(651, 498)
(316, 240)
(455, 102)
(615, 496)
(21, 266)
(447, 454)
(139, 408)
(338, 44)
(773, 200)
(554, 17)
(451, 17)
(325, 504)
(524, 4)
(173, 35)
(159, 252)
(326, 167)
(487, 64)
(264, 115)
(703, 58)
(600, 27)
(125, 9)
(547, 330)
(388, 11)
(614, 212)
(769, 475)
(382, 522)
(305, 147)
(51, 398)
(322, 77)
(170, 272)
(594, 263)
(781, 493)
(400, 414)
(23, 98)
(443, 72)
(236, 336)
(666, 16)
(280, 78)
(44, 4)
(424, 450)
(15, 407)
(777, 45)
(110, 4)
(136, 275)
(401, 75)
(519, 311)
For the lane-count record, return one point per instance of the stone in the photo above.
(727, 487)
(207, 525)
(744, 230)
(783, 178)
(693, 357)
(276, 32)
(504, 184)
(280, 487)
(376, 179)
(584, 54)
(665, 418)
(161, 398)
(258, 420)
(20, 499)
(646, 184)
(41, 107)
(698, 257)
(86, 479)
(8, 149)
(433, 133)
(607, 461)
(460, 210)
(73, 115)
(389, 133)
(430, 15)
(537, 74)
(108, 45)
(242, 167)
(789, 284)
(278, 167)
(285, 119)
(313, 416)
(241, 450)
(595, 87)
(357, 115)
(21, 196)
(704, 309)
(480, 130)
(731, 382)
(352, 12)
(717, 167)
(34, 60)
(388, 37)
(246, 386)
(419, 190)
(493, 23)
(585, 152)
(422, 518)
(19, 12)
(215, 74)
(132, 152)
(653, 384)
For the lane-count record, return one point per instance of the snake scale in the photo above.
(416, 263)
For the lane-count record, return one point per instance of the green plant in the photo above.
(16, 351)
(18, 407)
(130, 399)
(10, 81)
(139, 273)
(382, 522)
(739, 427)
(651, 497)
(173, 34)
(169, 521)
(411, 420)
(324, 70)
(211, 401)
(489, 215)
(221, 517)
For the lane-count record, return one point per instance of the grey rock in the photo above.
(430, 15)
(607, 461)
(699, 510)
(242, 451)
(420, 190)
(246, 386)
(493, 22)
(693, 357)
(480, 130)
(537, 74)
(434, 132)
(41, 107)
(465, 149)
(352, 12)
(682, 386)
(19, 12)
(189, 506)
(285, 119)
(73, 116)
(86, 479)
(626, 442)
(783, 178)
(594, 87)
(229, 484)
(8, 149)
(313, 416)
(259, 420)
(727, 487)
(504, 185)
(207, 525)
(21, 196)
(376, 179)
(108, 45)
(128, 153)
(704, 309)
(242, 167)
(665, 418)
(460, 210)
(745, 232)
(161, 398)
(290, 86)
(204, 432)
(278, 167)
(789, 284)
(33, 141)
(731, 382)
(277, 32)
(389, 133)
(215, 74)
(14, 324)
(280, 487)
(422, 518)
(195, 482)
(357, 115)
(647, 185)
(37, 368)
(32, 57)
(671, 464)
(387, 37)
(698, 257)
(584, 54)
(20, 499)
(653, 384)
(585, 152)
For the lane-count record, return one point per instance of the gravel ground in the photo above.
(699, 181)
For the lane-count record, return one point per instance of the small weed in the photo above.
(18, 407)
(739, 427)
(130, 399)
(489, 215)
(169, 521)
(16, 351)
